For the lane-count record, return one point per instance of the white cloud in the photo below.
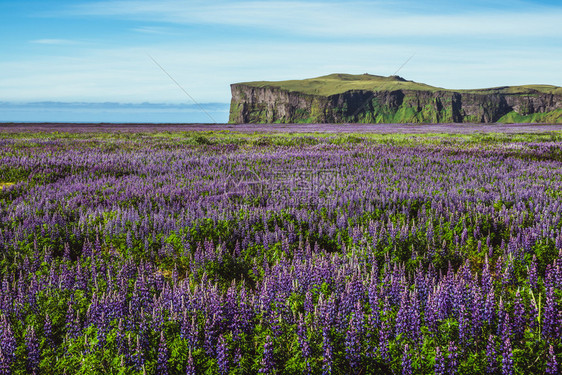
(53, 41)
(321, 19)
(153, 30)
(352, 37)
(128, 75)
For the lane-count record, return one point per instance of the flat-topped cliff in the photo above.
(341, 98)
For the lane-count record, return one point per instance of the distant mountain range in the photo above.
(366, 98)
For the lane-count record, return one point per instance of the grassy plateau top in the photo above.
(334, 84)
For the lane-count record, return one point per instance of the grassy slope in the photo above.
(339, 83)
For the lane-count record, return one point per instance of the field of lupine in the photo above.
(226, 253)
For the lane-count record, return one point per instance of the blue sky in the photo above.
(97, 51)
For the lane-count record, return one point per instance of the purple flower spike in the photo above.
(138, 355)
(327, 348)
(439, 362)
(552, 364)
(491, 355)
(507, 358)
(190, 370)
(7, 345)
(33, 354)
(267, 362)
(48, 329)
(162, 364)
(222, 355)
(533, 273)
(453, 358)
(353, 347)
(4, 365)
(550, 315)
(406, 362)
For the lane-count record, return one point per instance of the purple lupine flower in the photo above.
(519, 319)
(502, 314)
(550, 317)
(129, 351)
(246, 313)
(476, 311)
(4, 365)
(489, 307)
(533, 273)
(508, 277)
(374, 299)
(81, 277)
(97, 247)
(162, 364)
(430, 314)
(7, 343)
(267, 362)
(210, 333)
(486, 279)
(48, 257)
(138, 355)
(33, 354)
(370, 334)
(237, 358)
(533, 315)
(303, 341)
(558, 262)
(352, 347)
(229, 308)
(491, 355)
(406, 362)
(507, 358)
(73, 325)
(464, 323)
(385, 332)
(275, 322)
(414, 318)
(401, 325)
(548, 277)
(120, 338)
(157, 319)
(439, 362)
(222, 355)
(189, 330)
(86, 249)
(452, 359)
(66, 252)
(396, 286)
(48, 330)
(552, 364)
(506, 328)
(459, 297)
(190, 369)
(327, 352)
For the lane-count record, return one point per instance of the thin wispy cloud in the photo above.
(349, 19)
(154, 30)
(127, 74)
(53, 41)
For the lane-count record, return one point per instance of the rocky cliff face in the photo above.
(252, 104)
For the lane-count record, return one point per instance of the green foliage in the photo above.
(553, 117)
